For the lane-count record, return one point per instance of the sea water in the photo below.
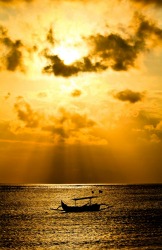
(132, 220)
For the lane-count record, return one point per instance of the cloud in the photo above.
(158, 3)
(70, 126)
(76, 93)
(57, 66)
(149, 127)
(14, 54)
(109, 51)
(115, 51)
(65, 127)
(121, 53)
(13, 59)
(50, 37)
(6, 130)
(129, 95)
(159, 126)
(156, 127)
(26, 114)
(14, 1)
(154, 138)
(147, 30)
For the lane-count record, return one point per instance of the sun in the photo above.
(68, 54)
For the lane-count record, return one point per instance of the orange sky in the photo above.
(80, 91)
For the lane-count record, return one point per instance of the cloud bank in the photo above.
(63, 127)
(113, 50)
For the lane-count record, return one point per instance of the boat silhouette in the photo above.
(88, 207)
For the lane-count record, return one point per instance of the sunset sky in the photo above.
(80, 91)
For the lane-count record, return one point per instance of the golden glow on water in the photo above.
(27, 212)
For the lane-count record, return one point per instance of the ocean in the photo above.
(132, 219)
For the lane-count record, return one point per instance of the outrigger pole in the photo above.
(84, 198)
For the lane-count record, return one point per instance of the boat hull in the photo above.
(84, 208)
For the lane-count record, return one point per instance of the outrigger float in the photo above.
(88, 207)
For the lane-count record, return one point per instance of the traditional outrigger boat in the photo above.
(88, 207)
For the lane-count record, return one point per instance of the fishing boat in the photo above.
(84, 208)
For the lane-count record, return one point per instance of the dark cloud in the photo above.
(146, 30)
(106, 51)
(76, 93)
(50, 36)
(14, 52)
(14, 1)
(13, 59)
(121, 53)
(158, 3)
(116, 52)
(109, 51)
(57, 66)
(129, 95)
(26, 114)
